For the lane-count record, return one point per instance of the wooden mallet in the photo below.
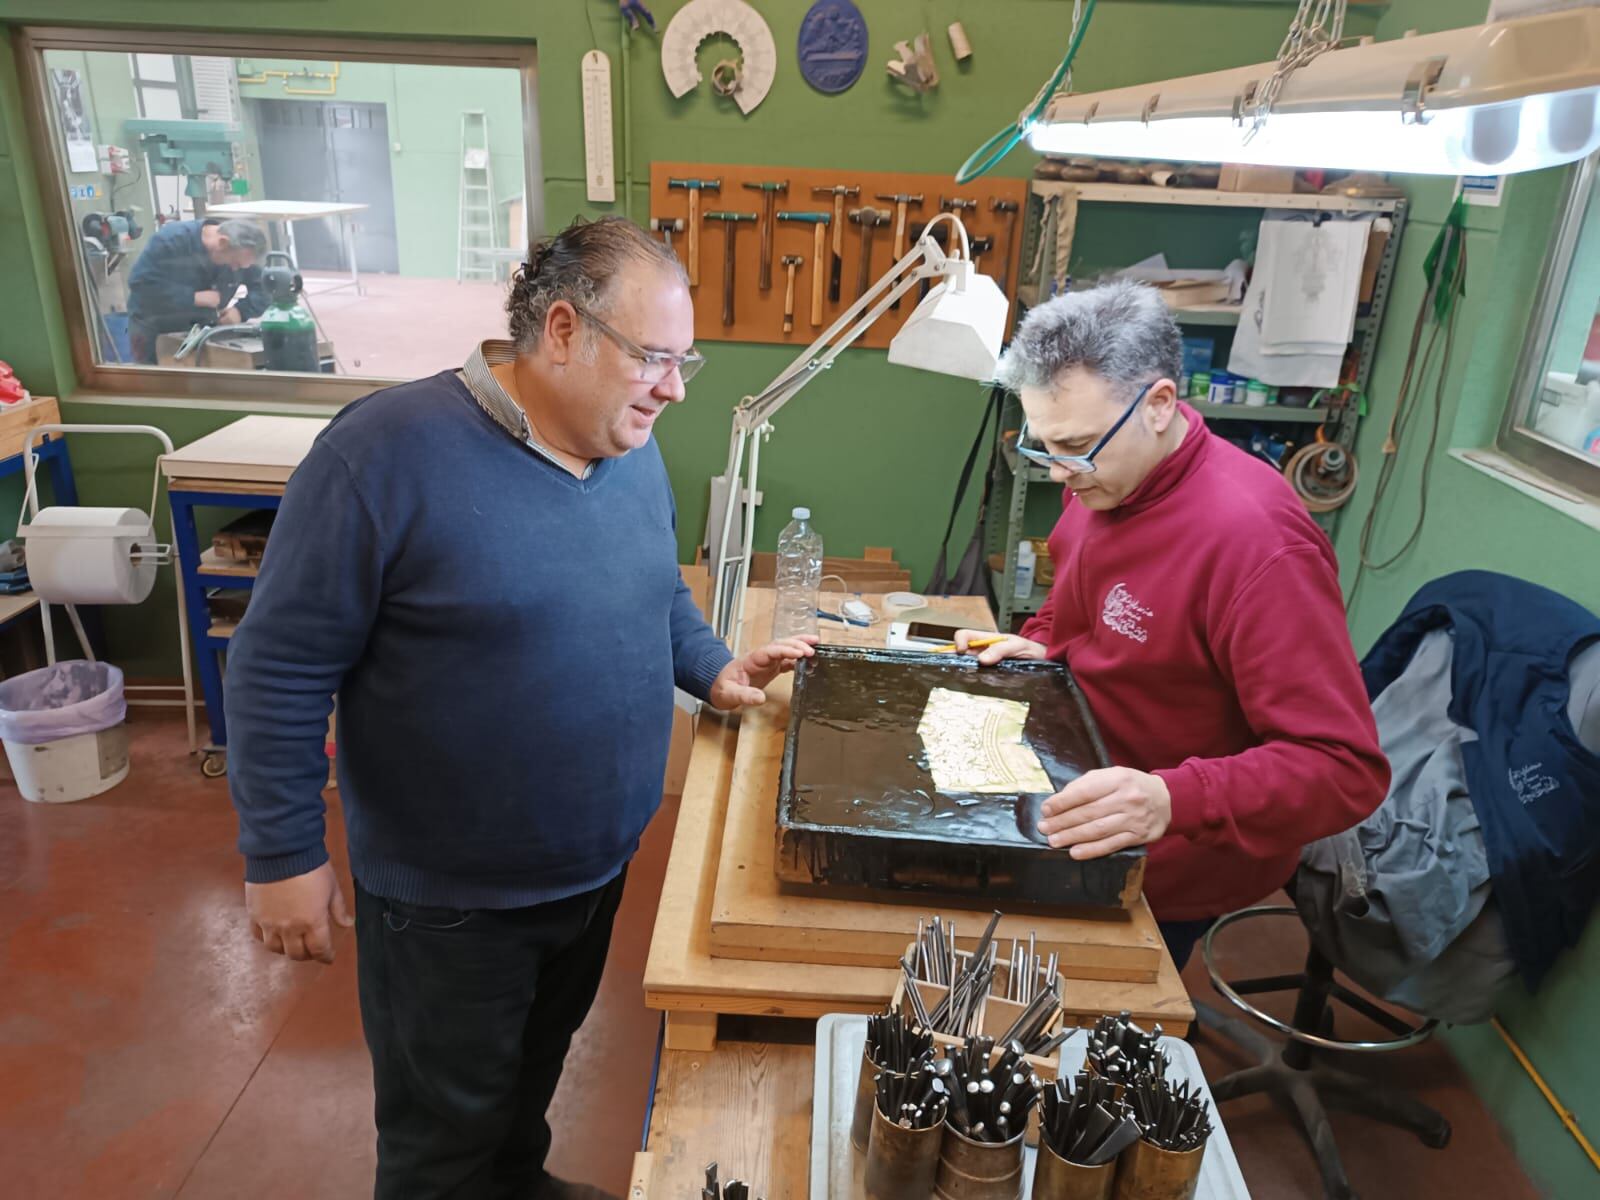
(790, 262)
(819, 222)
(694, 187)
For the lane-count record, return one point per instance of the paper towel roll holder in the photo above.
(146, 549)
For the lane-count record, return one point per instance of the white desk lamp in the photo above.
(956, 330)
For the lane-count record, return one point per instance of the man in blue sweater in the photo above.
(483, 566)
(188, 275)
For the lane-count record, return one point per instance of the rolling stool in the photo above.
(1293, 1074)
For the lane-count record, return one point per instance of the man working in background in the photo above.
(188, 276)
(483, 566)
(1198, 605)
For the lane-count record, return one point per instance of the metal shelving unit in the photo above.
(1013, 477)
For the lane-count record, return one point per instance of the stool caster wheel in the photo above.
(215, 764)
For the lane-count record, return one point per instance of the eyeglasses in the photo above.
(654, 365)
(1080, 464)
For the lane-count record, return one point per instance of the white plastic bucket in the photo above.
(63, 731)
(72, 768)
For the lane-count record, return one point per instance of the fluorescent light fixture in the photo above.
(1491, 99)
(958, 327)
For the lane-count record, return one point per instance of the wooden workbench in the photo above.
(746, 1102)
(685, 979)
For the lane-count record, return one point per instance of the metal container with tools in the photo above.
(1054, 1178)
(1147, 1172)
(866, 1099)
(975, 1170)
(901, 1163)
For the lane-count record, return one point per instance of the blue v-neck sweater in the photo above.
(504, 639)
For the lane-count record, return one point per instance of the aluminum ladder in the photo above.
(475, 238)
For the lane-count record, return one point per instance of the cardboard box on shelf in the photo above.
(1377, 243)
(1182, 293)
(1241, 177)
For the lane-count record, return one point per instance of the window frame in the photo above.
(229, 388)
(1516, 439)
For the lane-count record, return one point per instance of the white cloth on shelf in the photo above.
(1315, 280)
(1299, 312)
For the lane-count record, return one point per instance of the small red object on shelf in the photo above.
(11, 389)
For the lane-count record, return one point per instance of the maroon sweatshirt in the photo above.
(1203, 619)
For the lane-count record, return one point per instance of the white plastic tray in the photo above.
(836, 1167)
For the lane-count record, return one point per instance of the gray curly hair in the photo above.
(244, 235)
(579, 265)
(1122, 331)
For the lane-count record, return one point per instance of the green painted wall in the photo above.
(1474, 521)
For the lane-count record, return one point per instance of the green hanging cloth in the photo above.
(1447, 276)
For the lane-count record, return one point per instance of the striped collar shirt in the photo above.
(494, 400)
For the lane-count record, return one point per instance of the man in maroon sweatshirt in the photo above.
(1198, 605)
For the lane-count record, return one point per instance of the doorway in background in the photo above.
(328, 151)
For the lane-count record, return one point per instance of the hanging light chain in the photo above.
(1318, 27)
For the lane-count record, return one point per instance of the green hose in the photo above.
(1011, 135)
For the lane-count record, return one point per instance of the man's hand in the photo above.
(208, 299)
(740, 683)
(1106, 811)
(1010, 646)
(292, 916)
(229, 316)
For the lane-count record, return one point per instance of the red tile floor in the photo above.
(148, 1049)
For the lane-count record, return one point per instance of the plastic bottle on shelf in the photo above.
(799, 577)
(1026, 562)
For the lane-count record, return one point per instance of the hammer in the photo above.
(790, 262)
(956, 204)
(1009, 207)
(838, 194)
(730, 227)
(666, 228)
(694, 188)
(819, 222)
(979, 247)
(901, 202)
(869, 219)
(769, 198)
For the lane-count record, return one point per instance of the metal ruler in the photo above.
(599, 166)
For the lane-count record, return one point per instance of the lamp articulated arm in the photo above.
(730, 572)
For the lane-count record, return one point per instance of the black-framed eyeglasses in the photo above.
(654, 365)
(1080, 464)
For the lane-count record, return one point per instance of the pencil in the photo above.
(975, 644)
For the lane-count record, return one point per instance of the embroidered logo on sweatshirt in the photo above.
(1529, 785)
(1125, 615)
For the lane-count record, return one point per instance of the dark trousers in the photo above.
(1182, 937)
(468, 1016)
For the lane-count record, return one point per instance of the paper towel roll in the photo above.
(91, 569)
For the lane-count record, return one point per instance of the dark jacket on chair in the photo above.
(1534, 785)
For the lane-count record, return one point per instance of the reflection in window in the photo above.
(355, 218)
(1564, 409)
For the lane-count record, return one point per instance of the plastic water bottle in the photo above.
(799, 577)
(1026, 563)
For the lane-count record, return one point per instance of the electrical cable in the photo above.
(1013, 134)
(1449, 270)
(1323, 475)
